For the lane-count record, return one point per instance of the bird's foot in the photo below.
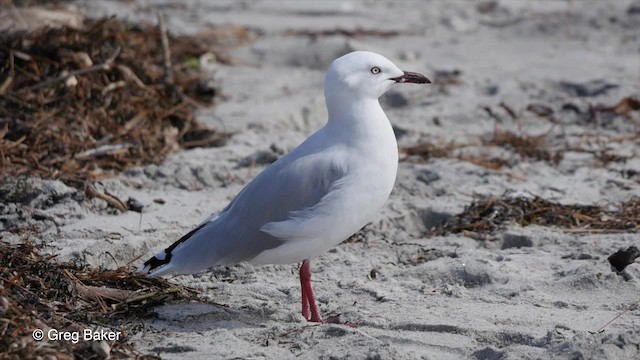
(335, 319)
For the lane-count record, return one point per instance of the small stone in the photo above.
(134, 205)
(588, 89)
(540, 110)
(427, 176)
(490, 90)
(102, 349)
(516, 241)
(622, 258)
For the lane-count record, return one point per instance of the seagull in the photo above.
(317, 195)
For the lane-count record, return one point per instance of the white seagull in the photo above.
(314, 197)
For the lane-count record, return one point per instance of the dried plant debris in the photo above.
(37, 292)
(493, 163)
(587, 89)
(623, 258)
(487, 214)
(624, 107)
(529, 147)
(428, 150)
(422, 256)
(533, 147)
(352, 33)
(541, 110)
(77, 102)
(27, 3)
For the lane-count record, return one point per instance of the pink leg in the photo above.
(308, 301)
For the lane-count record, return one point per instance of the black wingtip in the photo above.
(155, 263)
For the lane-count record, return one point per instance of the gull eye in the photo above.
(375, 70)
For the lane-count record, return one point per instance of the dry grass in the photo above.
(37, 292)
(531, 147)
(108, 96)
(488, 214)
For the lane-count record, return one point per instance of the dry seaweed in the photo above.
(530, 147)
(487, 214)
(355, 33)
(422, 255)
(38, 292)
(77, 102)
(623, 107)
(493, 163)
(428, 150)
(28, 3)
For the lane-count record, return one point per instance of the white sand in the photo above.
(493, 300)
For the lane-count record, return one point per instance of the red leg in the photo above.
(305, 299)
(308, 301)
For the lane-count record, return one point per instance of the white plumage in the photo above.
(317, 195)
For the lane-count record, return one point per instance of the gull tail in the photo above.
(161, 263)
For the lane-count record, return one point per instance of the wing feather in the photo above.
(290, 191)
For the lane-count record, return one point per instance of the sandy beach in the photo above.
(542, 70)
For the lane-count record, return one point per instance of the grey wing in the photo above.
(282, 189)
(293, 183)
(276, 194)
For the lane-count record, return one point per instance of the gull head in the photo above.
(363, 74)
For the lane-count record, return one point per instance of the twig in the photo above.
(110, 199)
(169, 81)
(111, 149)
(17, 15)
(509, 111)
(142, 298)
(112, 86)
(85, 291)
(493, 115)
(17, 100)
(129, 74)
(629, 308)
(64, 76)
(136, 258)
(9, 80)
(5, 85)
(166, 52)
